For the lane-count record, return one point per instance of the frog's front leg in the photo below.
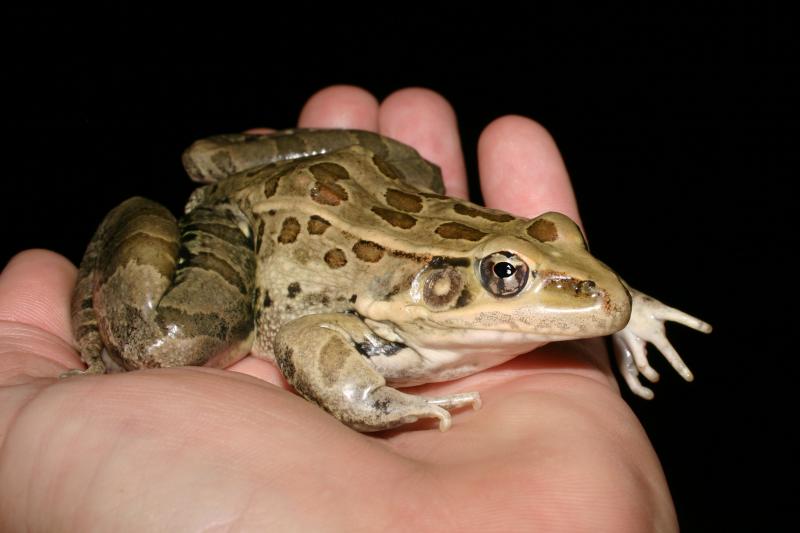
(153, 293)
(319, 356)
(647, 325)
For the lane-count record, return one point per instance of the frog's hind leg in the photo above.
(318, 355)
(215, 158)
(152, 292)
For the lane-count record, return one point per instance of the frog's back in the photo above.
(383, 201)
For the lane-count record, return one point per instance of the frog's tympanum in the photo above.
(335, 254)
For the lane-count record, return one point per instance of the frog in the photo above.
(337, 256)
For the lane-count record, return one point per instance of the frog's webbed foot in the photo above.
(647, 325)
(319, 356)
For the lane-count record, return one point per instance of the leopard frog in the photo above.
(335, 254)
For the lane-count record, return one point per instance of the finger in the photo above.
(340, 106)
(522, 171)
(425, 120)
(35, 288)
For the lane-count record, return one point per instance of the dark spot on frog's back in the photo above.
(456, 230)
(289, 230)
(328, 193)
(494, 216)
(293, 289)
(335, 258)
(317, 225)
(395, 218)
(543, 230)
(403, 201)
(329, 172)
(368, 251)
(270, 186)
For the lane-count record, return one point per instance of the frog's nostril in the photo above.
(589, 288)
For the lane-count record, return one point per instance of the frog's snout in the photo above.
(601, 305)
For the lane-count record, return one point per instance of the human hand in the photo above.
(554, 446)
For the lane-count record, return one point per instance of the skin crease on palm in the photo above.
(554, 447)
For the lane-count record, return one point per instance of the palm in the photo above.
(554, 446)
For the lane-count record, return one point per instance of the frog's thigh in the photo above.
(317, 355)
(151, 293)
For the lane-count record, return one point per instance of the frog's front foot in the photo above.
(386, 408)
(647, 325)
(318, 355)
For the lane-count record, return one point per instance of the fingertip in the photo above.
(36, 258)
(35, 288)
(424, 119)
(340, 106)
(522, 170)
(402, 108)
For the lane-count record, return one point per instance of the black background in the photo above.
(675, 125)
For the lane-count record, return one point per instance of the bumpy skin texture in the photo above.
(554, 448)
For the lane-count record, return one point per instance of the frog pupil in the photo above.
(504, 270)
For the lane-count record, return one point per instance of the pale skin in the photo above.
(554, 447)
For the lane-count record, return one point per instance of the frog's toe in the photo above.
(454, 401)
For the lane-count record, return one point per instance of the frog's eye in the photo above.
(503, 274)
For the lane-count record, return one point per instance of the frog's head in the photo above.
(543, 283)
